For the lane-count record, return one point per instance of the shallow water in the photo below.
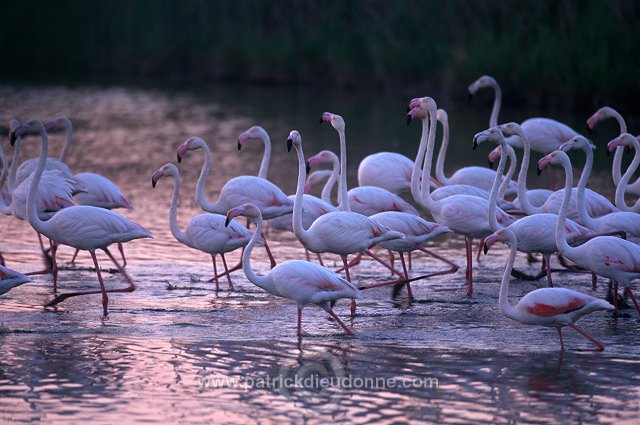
(176, 351)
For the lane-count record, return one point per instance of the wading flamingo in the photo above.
(607, 256)
(551, 307)
(80, 226)
(205, 232)
(298, 280)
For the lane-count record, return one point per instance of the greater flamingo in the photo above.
(237, 191)
(258, 133)
(607, 256)
(80, 226)
(205, 232)
(550, 307)
(298, 280)
(338, 232)
(10, 279)
(464, 214)
(628, 140)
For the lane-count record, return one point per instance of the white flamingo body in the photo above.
(55, 192)
(551, 307)
(10, 279)
(238, 190)
(536, 197)
(52, 164)
(544, 134)
(100, 192)
(297, 280)
(417, 231)
(388, 170)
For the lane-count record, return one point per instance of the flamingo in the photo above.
(464, 214)
(205, 232)
(338, 232)
(10, 279)
(550, 307)
(616, 168)
(316, 177)
(259, 133)
(298, 280)
(388, 170)
(535, 233)
(80, 226)
(98, 191)
(488, 81)
(481, 177)
(617, 221)
(626, 139)
(237, 191)
(607, 256)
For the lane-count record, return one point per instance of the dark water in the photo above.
(176, 351)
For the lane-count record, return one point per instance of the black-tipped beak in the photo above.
(475, 144)
(409, 119)
(321, 120)
(153, 182)
(12, 137)
(538, 171)
(179, 158)
(227, 221)
(408, 109)
(308, 167)
(290, 143)
(490, 164)
(485, 249)
(608, 153)
(589, 130)
(239, 145)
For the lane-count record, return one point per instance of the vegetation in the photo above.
(545, 51)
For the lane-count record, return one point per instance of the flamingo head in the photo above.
(13, 125)
(33, 126)
(599, 115)
(577, 142)
(249, 211)
(504, 234)
(492, 134)
(322, 157)
(255, 132)
(512, 129)
(418, 108)
(57, 123)
(555, 157)
(494, 156)
(625, 139)
(336, 120)
(167, 169)
(484, 81)
(294, 139)
(190, 144)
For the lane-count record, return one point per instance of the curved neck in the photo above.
(493, 198)
(298, 228)
(331, 181)
(622, 185)
(204, 172)
(11, 181)
(522, 178)
(263, 282)
(177, 233)
(342, 187)
(513, 162)
(4, 208)
(67, 141)
(561, 241)
(497, 102)
(503, 298)
(616, 166)
(266, 157)
(32, 215)
(585, 218)
(425, 191)
(415, 171)
(442, 153)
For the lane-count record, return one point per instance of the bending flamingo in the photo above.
(80, 226)
(10, 279)
(300, 281)
(551, 307)
(205, 232)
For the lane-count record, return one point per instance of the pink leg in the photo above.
(480, 246)
(598, 344)
(615, 298)
(224, 263)
(346, 270)
(47, 265)
(468, 242)
(234, 268)
(306, 254)
(381, 261)
(633, 298)
(337, 319)
(266, 247)
(560, 336)
(1, 259)
(352, 263)
(124, 259)
(215, 272)
(54, 266)
(299, 321)
(105, 297)
(546, 266)
(406, 275)
(409, 258)
(75, 254)
(594, 281)
(320, 259)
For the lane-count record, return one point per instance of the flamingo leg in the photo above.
(381, 261)
(598, 344)
(409, 258)
(346, 270)
(468, 242)
(615, 297)
(306, 254)
(633, 298)
(105, 297)
(320, 259)
(75, 254)
(480, 246)
(234, 268)
(352, 263)
(47, 260)
(215, 272)
(266, 247)
(546, 266)
(299, 321)
(224, 263)
(337, 319)
(560, 336)
(124, 259)
(396, 288)
(1, 259)
(54, 266)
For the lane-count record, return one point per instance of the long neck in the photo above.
(624, 181)
(425, 191)
(11, 182)
(513, 163)
(493, 198)
(442, 153)
(298, 228)
(561, 241)
(585, 218)
(263, 282)
(67, 141)
(4, 208)
(32, 215)
(177, 233)
(616, 167)
(204, 172)
(342, 187)
(497, 102)
(331, 181)
(266, 157)
(416, 170)
(503, 298)
(522, 179)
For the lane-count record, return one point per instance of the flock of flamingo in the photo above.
(575, 223)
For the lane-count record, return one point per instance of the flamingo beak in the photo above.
(239, 145)
(409, 119)
(156, 176)
(490, 164)
(475, 143)
(290, 143)
(308, 167)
